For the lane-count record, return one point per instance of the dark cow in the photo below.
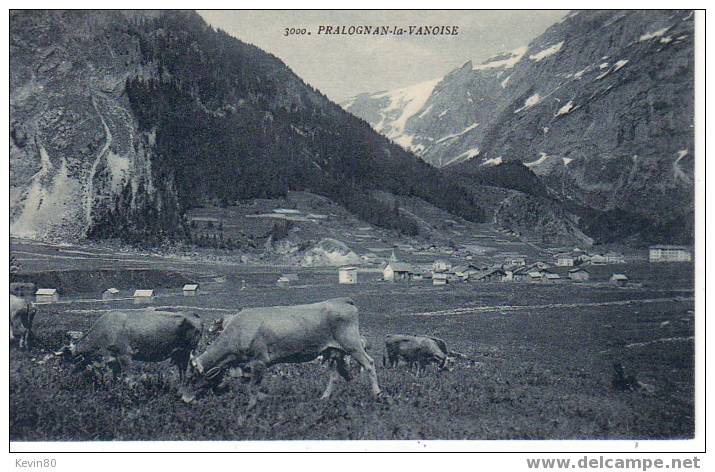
(417, 351)
(144, 335)
(22, 314)
(257, 338)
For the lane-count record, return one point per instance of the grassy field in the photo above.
(540, 368)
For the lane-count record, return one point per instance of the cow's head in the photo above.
(199, 380)
(447, 363)
(216, 326)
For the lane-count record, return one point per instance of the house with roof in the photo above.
(619, 279)
(579, 274)
(599, 259)
(347, 275)
(534, 276)
(551, 277)
(440, 278)
(396, 271)
(47, 295)
(564, 260)
(669, 253)
(190, 290)
(110, 294)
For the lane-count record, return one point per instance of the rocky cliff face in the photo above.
(600, 107)
(75, 146)
(121, 121)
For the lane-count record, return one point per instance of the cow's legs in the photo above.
(181, 361)
(257, 368)
(341, 370)
(369, 365)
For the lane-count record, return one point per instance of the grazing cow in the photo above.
(22, 313)
(417, 351)
(145, 335)
(257, 338)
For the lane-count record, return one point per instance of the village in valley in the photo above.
(205, 246)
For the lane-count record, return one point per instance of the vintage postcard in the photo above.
(357, 225)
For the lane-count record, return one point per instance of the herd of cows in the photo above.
(248, 343)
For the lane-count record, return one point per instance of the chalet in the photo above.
(465, 272)
(599, 259)
(534, 276)
(579, 274)
(551, 277)
(493, 275)
(669, 253)
(143, 293)
(619, 279)
(347, 275)
(441, 266)
(614, 258)
(521, 274)
(440, 278)
(47, 295)
(110, 294)
(396, 271)
(515, 261)
(191, 290)
(564, 260)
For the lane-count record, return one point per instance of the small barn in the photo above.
(534, 276)
(347, 275)
(440, 278)
(466, 272)
(619, 279)
(441, 266)
(283, 281)
(564, 260)
(599, 259)
(110, 294)
(143, 293)
(47, 295)
(494, 275)
(579, 274)
(396, 271)
(191, 290)
(551, 277)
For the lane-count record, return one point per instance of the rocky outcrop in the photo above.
(600, 107)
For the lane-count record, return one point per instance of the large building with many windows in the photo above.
(668, 253)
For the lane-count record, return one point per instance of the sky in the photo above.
(344, 66)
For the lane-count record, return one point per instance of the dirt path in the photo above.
(481, 309)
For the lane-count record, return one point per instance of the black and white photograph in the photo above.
(270, 226)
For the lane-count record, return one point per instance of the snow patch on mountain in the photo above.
(654, 34)
(465, 156)
(530, 102)
(495, 161)
(542, 158)
(544, 53)
(566, 109)
(506, 63)
(456, 135)
(408, 99)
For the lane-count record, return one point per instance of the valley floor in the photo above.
(540, 361)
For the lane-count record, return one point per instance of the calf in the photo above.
(417, 351)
